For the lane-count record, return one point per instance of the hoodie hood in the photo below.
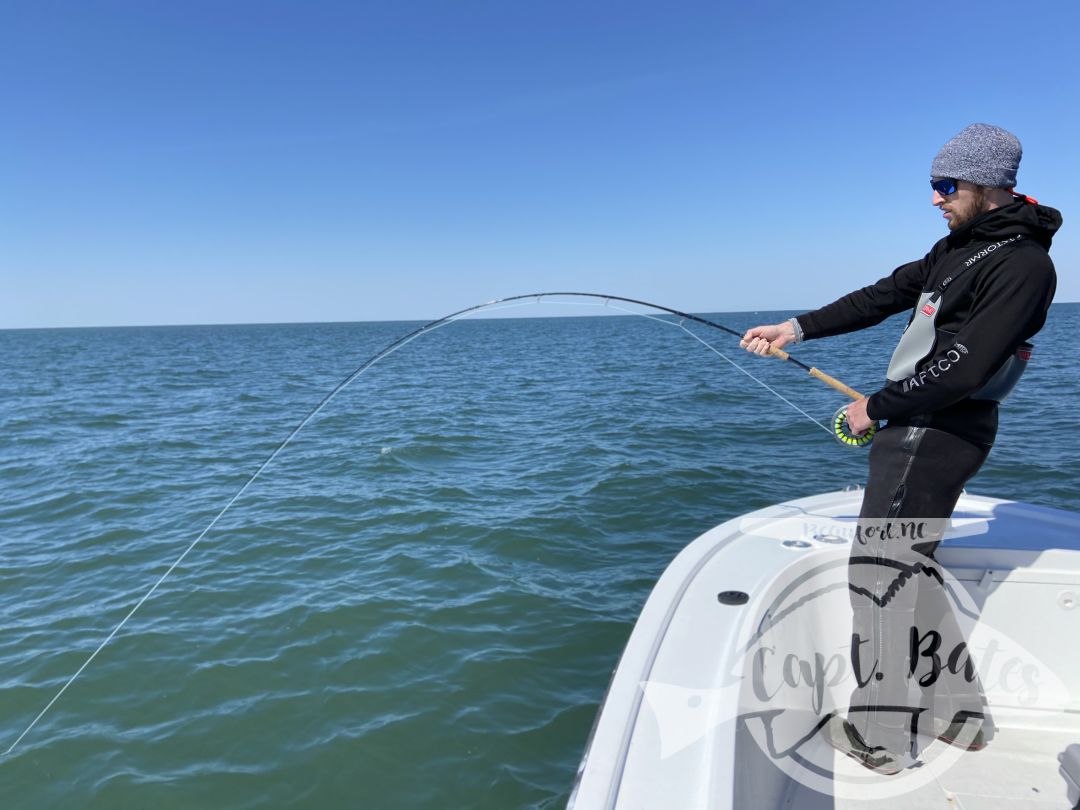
(1036, 222)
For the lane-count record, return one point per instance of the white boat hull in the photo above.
(682, 729)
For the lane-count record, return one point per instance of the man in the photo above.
(975, 299)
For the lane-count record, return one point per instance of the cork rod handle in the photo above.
(835, 383)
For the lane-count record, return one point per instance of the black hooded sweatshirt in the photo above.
(993, 291)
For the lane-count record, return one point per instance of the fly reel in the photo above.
(842, 431)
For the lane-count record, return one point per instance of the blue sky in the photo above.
(233, 162)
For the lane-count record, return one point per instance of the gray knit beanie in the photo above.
(981, 154)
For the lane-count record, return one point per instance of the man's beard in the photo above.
(976, 205)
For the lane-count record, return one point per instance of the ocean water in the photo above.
(419, 603)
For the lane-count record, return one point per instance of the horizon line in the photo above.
(391, 320)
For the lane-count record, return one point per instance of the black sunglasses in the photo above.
(945, 186)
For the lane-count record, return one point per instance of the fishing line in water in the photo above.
(495, 305)
(723, 356)
(679, 324)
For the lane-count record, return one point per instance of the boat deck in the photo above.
(681, 726)
(1017, 771)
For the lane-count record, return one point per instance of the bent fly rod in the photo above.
(839, 429)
